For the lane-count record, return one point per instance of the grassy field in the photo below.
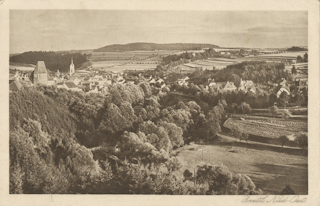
(270, 171)
(133, 60)
(142, 60)
(220, 63)
(267, 127)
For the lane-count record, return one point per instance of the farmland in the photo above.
(127, 60)
(220, 63)
(145, 60)
(267, 127)
(271, 171)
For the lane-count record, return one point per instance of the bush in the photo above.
(286, 114)
(283, 140)
(273, 110)
(302, 140)
(287, 191)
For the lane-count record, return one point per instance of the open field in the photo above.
(220, 63)
(143, 60)
(21, 67)
(289, 54)
(270, 171)
(267, 127)
(137, 55)
(133, 60)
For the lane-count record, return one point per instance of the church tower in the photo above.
(40, 74)
(71, 67)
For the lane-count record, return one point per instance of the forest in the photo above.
(70, 142)
(54, 61)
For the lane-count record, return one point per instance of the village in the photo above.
(91, 80)
(159, 102)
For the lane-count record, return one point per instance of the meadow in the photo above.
(271, 171)
(220, 63)
(267, 127)
(132, 60)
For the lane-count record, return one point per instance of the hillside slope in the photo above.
(153, 46)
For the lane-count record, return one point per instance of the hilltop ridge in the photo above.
(153, 46)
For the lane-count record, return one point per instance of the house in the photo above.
(75, 80)
(248, 83)
(95, 90)
(152, 81)
(215, 87)
(15, 85)
(229, 87)
(51, 81)
(242, 86)
(87, 85)
(25, 81)
(163, 85)
(121, 81)
(160, 81)
(71, 86)
(183, 81)
(282, 87)
(130, 82)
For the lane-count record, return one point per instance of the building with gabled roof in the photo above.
(229, 87)
(15, 85)
(71, 86)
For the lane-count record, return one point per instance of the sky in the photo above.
(54, 30)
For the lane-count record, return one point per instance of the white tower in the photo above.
(71, 67)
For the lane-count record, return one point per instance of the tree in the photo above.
(221, 181)
(283, 140)
(146, 88)
(283, 99)
(235, 131)
(273, 110)
(113, 120)
(287, 191)
(305, 57)
(236, 79)
(175, 133)
(272, 99)
(302, 140)
(294, 70)
(244, 136)
(299, 59)
(286, 114)
(246, 109)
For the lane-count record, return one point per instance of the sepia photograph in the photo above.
(162, 102)
(139, 102)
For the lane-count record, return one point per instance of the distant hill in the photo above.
(153, 46)
(53, 61)
(295, 48)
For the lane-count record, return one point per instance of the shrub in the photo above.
(283, 140)
(286, 114)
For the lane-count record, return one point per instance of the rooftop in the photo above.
(40, 68)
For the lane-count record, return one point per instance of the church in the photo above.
(72, 67)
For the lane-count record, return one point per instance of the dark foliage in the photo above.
(54, 61)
